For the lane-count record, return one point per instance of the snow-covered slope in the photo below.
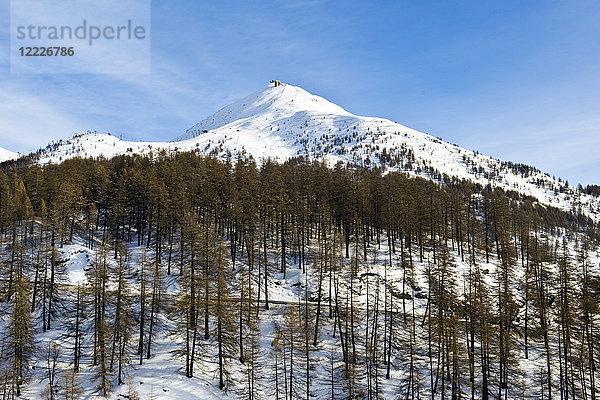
(274, 102)
(6, 155)
(285, 121)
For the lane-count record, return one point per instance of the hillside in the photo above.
(6, 155)
(188, 277)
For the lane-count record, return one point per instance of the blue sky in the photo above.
(515, 80)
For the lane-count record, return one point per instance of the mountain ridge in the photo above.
(285, 121)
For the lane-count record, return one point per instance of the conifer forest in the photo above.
(166, 276)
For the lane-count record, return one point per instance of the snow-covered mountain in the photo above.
(283, 121)
(6, 155)
(388, 282)
(274, 103)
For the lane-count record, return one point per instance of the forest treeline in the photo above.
(472, 281)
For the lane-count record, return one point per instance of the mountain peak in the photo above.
(273, 102)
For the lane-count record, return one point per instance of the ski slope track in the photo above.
(280, 122)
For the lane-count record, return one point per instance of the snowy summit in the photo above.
(270, 104)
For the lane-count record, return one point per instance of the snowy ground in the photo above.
(161, 377)
(6, 155)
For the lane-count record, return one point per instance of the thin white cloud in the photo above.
(28, 122)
